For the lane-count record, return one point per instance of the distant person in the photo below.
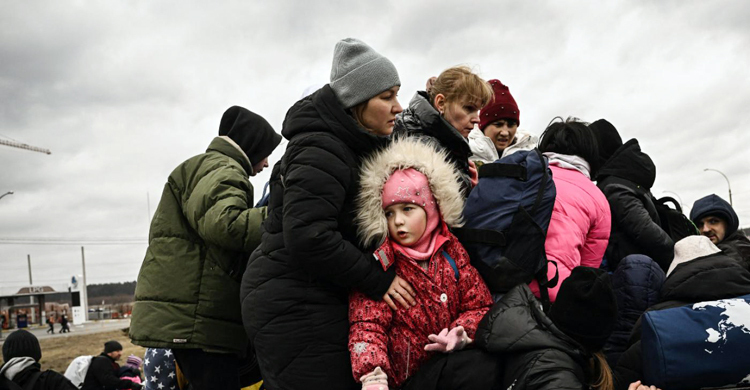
(132, 369)
(51, 323)
(447, 112)
(498, 134)
(626, 177)
(717, 220)
(64, 324)
(187, 296)
(103, 373)
(21, 354)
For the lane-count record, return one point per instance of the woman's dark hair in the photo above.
(573, 137)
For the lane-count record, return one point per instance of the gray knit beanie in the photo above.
(359, 72)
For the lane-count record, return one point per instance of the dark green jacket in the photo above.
(201, 236)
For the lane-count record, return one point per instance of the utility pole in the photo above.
(84, 290)
(28, 257)
(725, 178)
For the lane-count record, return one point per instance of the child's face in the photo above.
(406, 222)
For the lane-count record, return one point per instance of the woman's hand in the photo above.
(400, 291)
(473, 173)
(638, 386)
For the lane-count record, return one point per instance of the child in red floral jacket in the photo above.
(409, 197)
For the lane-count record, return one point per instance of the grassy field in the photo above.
(58, 352)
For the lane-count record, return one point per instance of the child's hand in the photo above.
(401, 292)
(447, 342)
(375, 380)
(473, 173)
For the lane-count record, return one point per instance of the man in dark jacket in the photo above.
(103, 372)
(202, 234)
(717, 220)
(21, 354)
(626, 178)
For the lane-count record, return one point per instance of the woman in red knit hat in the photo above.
(498, 134)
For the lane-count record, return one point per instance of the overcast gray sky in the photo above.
(123, 91)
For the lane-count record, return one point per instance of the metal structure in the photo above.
(24, 146)
(7, 193)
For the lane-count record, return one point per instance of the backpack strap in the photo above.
(452, 263)
(503, 170)
(32, 380)
(480, 236)
(542, 184)
(545, 284)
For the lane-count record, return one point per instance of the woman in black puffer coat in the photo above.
(447, 112)
(295, 290)
(626, 178)
(561, 350)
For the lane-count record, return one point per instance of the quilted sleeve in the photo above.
(316, 181)
(369, 322)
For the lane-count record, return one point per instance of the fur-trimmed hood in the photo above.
(421, 154)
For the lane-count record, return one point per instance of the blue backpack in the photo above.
(506, 219)
(700, 345)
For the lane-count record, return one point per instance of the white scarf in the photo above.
(569, 162)
(13, 366)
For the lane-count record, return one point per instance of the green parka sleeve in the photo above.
(220, 210)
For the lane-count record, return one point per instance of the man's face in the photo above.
(115, 355)
(714, 228)
(259, 166)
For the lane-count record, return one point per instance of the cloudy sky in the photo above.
(123, 91)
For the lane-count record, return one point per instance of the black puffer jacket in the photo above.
(295, 289)
(706, 278)
(626, 179)
(737, 246)
(637, 283)
(422, 119)
(537, 354)
(47, 380)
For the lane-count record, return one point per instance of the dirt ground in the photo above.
(58, 352)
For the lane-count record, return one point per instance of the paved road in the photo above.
(86, 328)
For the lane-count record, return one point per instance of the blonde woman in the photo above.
(447, 112)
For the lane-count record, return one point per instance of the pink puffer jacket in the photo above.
(579, 228)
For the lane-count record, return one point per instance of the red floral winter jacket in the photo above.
(395, 340)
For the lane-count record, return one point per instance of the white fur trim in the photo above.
(409, 152)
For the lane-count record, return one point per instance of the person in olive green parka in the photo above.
(187, 295)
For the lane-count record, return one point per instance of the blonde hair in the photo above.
(602, 372)
(458, 84)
